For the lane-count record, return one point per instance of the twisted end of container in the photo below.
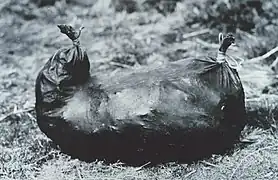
(71, 32)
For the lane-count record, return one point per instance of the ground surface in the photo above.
(128, 34)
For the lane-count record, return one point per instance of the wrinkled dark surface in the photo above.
(181, 111)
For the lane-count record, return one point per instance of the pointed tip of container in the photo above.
(226, 41)
(64, 28)
(70, 31)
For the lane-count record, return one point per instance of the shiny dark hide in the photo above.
(196, 109)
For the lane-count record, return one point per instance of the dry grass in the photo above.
(117, 39)
(27, 154)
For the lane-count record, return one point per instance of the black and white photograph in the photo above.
(139, 90)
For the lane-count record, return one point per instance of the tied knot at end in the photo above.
(231, 61)
(221, 57)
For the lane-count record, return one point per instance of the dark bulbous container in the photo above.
(183, 111)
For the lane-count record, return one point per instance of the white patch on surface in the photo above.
(78, 111)
(133, 102)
